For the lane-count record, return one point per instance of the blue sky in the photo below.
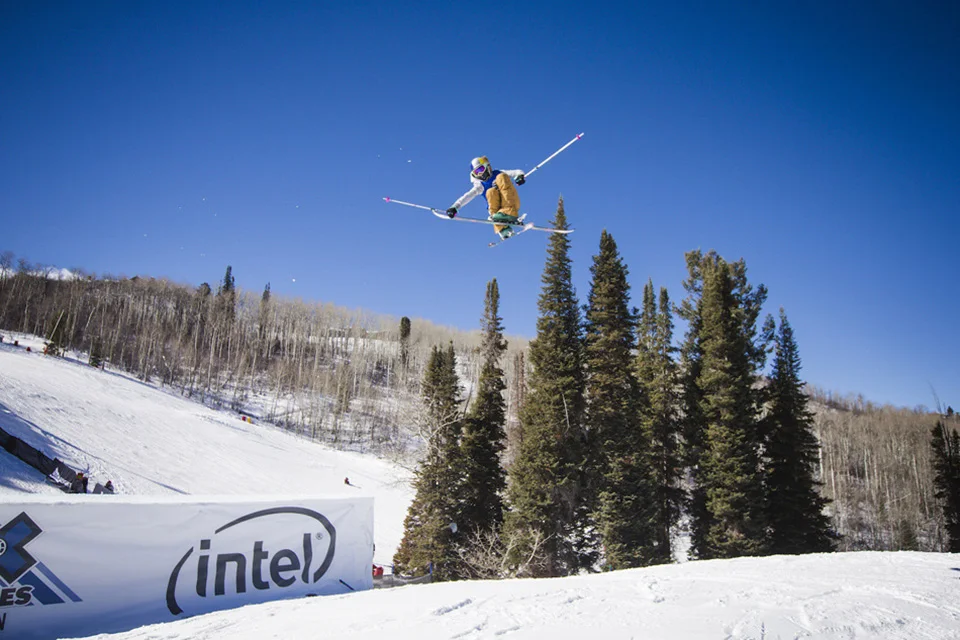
(818, 141)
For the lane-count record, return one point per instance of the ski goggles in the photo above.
(479, 171)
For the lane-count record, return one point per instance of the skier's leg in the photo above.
(493, 204)
(508, 196)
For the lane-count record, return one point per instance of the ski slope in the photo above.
(151, 442)
(893, 596)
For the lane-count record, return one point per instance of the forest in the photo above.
(688, 423)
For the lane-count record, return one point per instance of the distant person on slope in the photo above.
(497, 187)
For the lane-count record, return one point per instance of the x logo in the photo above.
(15, 535)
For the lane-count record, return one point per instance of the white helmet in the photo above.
(480, 168)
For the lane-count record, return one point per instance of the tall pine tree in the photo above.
(546, 477)
(728, 514)
(946, 464)
(404, 342)
(621, 482)
(227, 298)
(795, 515)
(429, 539)
(483, 433)
(263, 321)
(693, 425)
(659, 380)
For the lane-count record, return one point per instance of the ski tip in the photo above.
(386, 199)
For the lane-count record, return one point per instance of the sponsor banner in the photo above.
(88, 565)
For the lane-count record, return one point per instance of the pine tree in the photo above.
(545, 479)
(263, 323)
(621, 483)
(429, 540)
(728, 514)
(96, 354)
(946, 464)
(227, 298)
(263, 318)
(795, 507)
(659, 380)
(483, 434)
(404, 341)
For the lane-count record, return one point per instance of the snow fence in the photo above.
(82, 565)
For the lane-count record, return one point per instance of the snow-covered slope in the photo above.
(150, 442)
(854, 595)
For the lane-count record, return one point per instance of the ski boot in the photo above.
(508, 230)
(500, 216)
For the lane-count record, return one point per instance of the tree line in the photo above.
(604, 415)
(341, 376)
(624, 439)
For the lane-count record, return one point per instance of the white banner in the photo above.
(83, 565)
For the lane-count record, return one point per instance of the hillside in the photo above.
(151, 442)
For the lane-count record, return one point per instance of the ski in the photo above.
(527, 227)
(443, 215)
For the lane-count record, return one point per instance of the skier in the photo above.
(498, 188)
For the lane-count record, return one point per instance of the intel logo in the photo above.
(239, 557)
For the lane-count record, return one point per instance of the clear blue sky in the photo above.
(818, 141)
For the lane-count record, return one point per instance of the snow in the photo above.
(155, 445)
(853, 595)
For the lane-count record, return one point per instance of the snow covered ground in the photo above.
(855, 595)
(150, 442)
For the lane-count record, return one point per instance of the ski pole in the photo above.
(555, 154)
(410, 204)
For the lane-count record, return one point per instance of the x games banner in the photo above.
(96, 564)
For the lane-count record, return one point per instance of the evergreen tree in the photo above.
(429, 539)
(693, 424)
(659, 381)
(263, 323)
(404, 341)
(56, 342)
(728, 514)
(621, 484)
(227, 298)
(946, 464)
(263, 318)
(96, 354)
(795, 507)
(483, 434)
(545, 479)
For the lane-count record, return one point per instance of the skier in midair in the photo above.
(497, 187)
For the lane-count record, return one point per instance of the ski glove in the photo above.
(521, 179)
(451, 212)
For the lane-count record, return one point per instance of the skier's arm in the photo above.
(475, 190)
(516, 174)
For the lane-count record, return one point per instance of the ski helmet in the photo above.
(480, 168)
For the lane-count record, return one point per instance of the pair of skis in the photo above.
(519, 226)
